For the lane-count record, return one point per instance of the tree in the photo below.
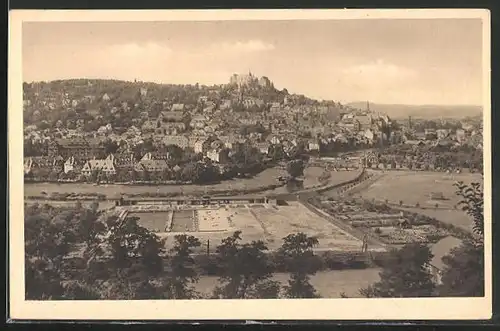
(51, 235)
(209, 173)
(473, 204)
(246, 270)
(246, 157)
(405, 275)
(146, 175)
(463, 274)
(295, 168)
(191, 172)
(276, 152)
(174, 152)
(297, 255)
(110, 146)
(47, 242)
(298, 152)
(53, 176)
(90, 231)
(133, 175)
(181, 268)
(136, 260)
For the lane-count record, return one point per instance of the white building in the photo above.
(313, 145)
(69, 165)
(105, 166)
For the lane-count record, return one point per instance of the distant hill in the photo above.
(425, 111)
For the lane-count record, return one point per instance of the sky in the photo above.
(422, 61)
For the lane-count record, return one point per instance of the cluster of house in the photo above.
(188, 125)
(206, 128)
(86, 155)
(446, 138)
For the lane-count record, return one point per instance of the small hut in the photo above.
(436, 196)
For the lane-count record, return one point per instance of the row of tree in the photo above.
(423, 158)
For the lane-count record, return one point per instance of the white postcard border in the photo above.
(301, 309)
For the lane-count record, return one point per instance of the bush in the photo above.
(207, 264)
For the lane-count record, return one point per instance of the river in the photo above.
(329, 284)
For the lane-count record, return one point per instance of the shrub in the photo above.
(207, 264)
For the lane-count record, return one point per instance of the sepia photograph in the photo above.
(250, 164)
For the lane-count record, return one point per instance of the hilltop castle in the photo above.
(249, 80)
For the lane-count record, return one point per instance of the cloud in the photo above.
(243, 46)
(137, 50)
(379, 70)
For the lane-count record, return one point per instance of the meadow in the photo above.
(416, 187)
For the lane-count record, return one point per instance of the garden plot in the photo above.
(416, 234)
(183, 221)
(213, 219)
(237, 219)
(153, 221)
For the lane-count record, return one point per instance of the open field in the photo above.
(329, 284)
(311, 176)
(296, 218)
(416, 187)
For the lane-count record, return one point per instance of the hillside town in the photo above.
(96, 130)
